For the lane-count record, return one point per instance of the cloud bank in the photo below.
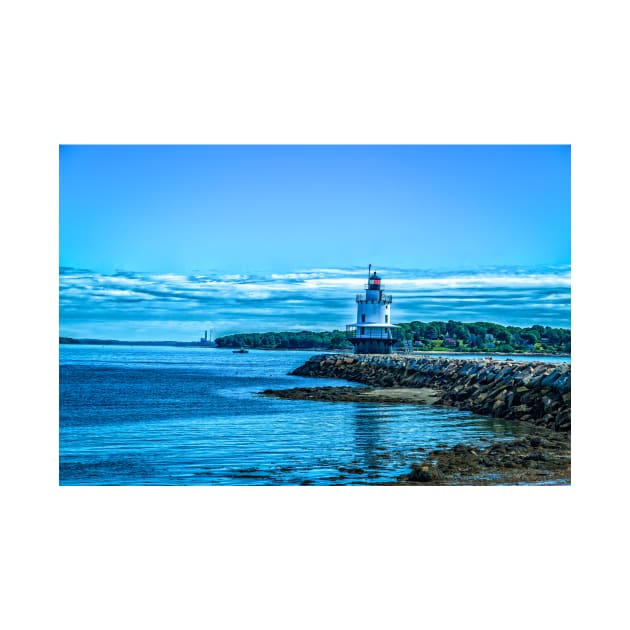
(137, 305)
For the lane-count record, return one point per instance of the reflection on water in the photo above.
(367, 431)
(501, 428)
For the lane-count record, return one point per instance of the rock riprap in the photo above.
(528, 391)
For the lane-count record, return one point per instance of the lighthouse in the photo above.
(373, 332)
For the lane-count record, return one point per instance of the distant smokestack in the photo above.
(206, 335)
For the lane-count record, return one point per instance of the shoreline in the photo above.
(488, 354)
(394, 395)
(65, 341)
(536, 395)
(541, 456)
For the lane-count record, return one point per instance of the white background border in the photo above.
(325, 72)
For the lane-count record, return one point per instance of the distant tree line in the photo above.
(303, 340)
(450, 336)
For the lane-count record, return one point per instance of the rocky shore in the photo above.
(536, 394)
(541, 457)
(421, 395)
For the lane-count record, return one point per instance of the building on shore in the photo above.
(373, 332)
(204, 341)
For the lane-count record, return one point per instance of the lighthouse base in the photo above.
(372, 346)
(373, 339)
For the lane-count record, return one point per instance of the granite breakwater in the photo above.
(534, 392)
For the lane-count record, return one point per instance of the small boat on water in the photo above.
(240, 351)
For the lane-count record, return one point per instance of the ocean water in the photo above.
(194, 416)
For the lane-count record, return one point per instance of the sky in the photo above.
(164, 242)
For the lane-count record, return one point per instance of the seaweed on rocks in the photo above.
(544, 457)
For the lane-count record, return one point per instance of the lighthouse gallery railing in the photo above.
(368, 332)
(384, 298)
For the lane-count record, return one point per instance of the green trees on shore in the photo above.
(486, 336)
(304, 339)
(449, 336)
(68, 340)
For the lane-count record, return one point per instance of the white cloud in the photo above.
(315, 299)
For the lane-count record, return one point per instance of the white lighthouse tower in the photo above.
(373, 332)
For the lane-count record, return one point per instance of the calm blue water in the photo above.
(190, 416)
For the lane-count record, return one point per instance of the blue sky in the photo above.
(165, 241)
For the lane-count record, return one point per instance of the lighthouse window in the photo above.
(386, 318)
(362, 317)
